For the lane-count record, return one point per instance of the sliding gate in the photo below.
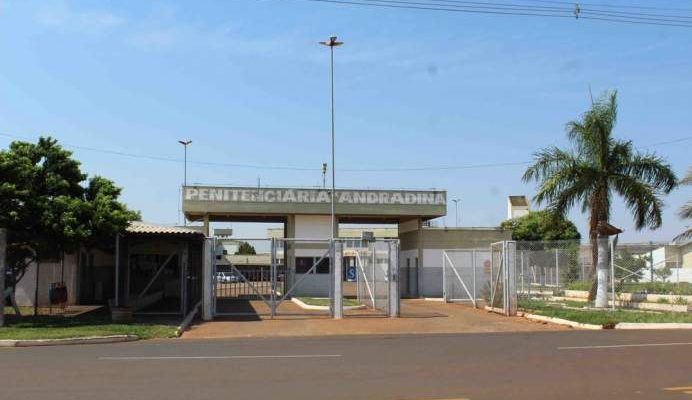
(264, 276)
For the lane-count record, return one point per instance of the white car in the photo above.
(226, 277)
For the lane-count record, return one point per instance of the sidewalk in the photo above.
(417, 316)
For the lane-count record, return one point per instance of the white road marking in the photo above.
(615, 346)
(138, 358)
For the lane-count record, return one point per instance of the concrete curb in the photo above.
(69, 341)
(304, 306)
(653, 325)
(495, 310)
(559, 321)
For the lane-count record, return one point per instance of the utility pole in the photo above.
(331, 43)
(185, 143)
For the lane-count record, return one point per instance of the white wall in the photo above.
(313, 226)
(49, 273)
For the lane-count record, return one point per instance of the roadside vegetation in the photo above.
(324, 302)
(575, 311)
(58, 327)
(681, 288)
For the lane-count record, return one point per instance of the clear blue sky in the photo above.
(246, 81)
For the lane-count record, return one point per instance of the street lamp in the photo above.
(331, 43)
(456, 212)
(185, 143)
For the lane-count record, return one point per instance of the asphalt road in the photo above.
(542, 365)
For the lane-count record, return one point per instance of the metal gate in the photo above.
(502, 295)
(265, 283)
(376, 265)
(465, 274)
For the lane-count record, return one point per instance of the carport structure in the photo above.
(158, 269)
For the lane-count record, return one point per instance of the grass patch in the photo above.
(604, 317)
(324, 302)
(680, 288)
(57, 327)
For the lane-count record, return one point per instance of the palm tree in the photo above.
(686, 210)
(591, 172)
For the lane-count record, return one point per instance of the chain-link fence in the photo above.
(564, 275)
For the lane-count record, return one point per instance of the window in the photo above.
(303, 264)
(323, 266)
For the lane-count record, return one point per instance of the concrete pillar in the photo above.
(290, 250)
(208, 281)
(206, 225)
(3, 265)
(419, 269)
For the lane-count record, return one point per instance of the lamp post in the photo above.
(331, 43)
(456, 212)
(185, 143)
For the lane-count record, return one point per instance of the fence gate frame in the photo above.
(505, 279)
(334, 251)
(448, 260)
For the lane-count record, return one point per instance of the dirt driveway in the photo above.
(417, 316)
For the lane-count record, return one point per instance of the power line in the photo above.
(568, 12)
(606, 5)
(313, 169)
(514, 11)
(562, 9)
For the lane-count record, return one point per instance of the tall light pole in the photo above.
(185, 143)
(456, 212)
(331, 43)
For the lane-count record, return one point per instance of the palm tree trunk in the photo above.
(602, 273)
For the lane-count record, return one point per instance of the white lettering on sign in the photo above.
(313, 196)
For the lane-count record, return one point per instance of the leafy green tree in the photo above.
(245, 248)
(598, 167)
(686, 210)
(544, 228)
(541, 225)
(47, 210)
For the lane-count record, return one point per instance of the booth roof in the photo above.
(142, 227)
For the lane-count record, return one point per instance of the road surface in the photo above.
(536, 365)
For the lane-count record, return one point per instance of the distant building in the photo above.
(517, 206)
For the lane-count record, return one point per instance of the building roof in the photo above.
(145, 228)
(519, 201)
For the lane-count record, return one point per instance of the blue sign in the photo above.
(351, 273)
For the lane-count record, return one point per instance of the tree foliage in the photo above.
(541, 225)
(686, 210)
(245, 248)
(597, 167)
(49, 208)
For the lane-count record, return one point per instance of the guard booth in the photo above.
(158, 269)
(306, 261)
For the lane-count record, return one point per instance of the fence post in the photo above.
(3, 253)
(444, 277)
(612, 270)
(473, 265)
(557, 270)
(208, 281)
(272, 277)
(510, 270)
(394, 290)
(337, 269)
